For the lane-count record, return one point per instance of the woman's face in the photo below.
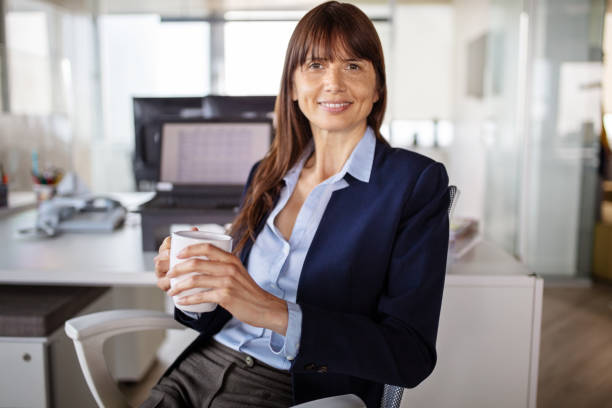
(335, 95)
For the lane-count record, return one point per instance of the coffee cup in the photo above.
(183, 239)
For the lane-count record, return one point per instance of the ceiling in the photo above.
(198, 8)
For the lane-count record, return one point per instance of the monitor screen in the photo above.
(212, 153)
(150, 112)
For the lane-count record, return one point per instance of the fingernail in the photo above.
(181, 254)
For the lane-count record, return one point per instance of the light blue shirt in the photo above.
(276, 264)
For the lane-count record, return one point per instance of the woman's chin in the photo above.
(337, 127)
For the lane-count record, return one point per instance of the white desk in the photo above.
(109, 259)
(116, 259)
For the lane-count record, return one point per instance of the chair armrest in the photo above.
(338, 401)
(115, 322)
(90, 332)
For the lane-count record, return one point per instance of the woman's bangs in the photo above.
(328, 45)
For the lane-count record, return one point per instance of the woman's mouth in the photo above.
(335, 107)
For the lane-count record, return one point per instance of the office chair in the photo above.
(90, 332)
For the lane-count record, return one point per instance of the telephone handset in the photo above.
(83, 214)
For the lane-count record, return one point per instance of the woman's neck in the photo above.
(331, 151)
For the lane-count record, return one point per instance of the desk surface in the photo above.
(117, 259)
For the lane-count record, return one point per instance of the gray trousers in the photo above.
(216, 376)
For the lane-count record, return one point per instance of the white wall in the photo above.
(467, 153)
(422, 62)
(607, 75)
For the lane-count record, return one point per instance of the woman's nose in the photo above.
(334, 80)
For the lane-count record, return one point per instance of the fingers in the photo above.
(165, 244)
(200, 281)
(162, 262)
(208, 250)
(163, 284)
(208, 267)
(210, 296)
(161, 268)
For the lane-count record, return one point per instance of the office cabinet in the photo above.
(488, 345)
(44, 371)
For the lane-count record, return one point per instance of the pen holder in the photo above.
(3, 195)
(44, 192)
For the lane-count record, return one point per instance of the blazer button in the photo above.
(322, 369)
(249, 361)
(310, 367)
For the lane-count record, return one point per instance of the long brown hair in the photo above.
(324, 32)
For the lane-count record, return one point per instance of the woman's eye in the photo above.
(315, 65)
(353, 67)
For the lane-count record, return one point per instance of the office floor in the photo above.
(575, 350)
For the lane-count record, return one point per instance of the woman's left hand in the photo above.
(230, 285)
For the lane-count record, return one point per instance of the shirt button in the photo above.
(249, 361)
(289, 358)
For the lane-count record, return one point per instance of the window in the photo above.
(29, 65)
(254, 56)
(141, 56)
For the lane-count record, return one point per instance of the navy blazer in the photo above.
(371, 284)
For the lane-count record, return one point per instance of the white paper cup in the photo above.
(183, 239)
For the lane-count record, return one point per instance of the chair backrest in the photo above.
(454, 194)
(392, 394)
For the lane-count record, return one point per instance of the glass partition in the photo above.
(562, 145)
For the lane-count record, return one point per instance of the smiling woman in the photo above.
(336, 95)
(335, 283)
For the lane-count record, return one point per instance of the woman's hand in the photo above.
(162, 263)
(230, 285)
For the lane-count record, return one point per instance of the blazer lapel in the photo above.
(324, 262)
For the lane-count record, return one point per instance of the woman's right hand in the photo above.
(162, 264)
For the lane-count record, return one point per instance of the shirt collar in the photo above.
(358, 165)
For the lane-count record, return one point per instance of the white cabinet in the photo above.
(41, 372)
(488, 338)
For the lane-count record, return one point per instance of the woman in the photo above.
(336, 280)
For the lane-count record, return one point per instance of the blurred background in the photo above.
(510, 95)
(513, 96)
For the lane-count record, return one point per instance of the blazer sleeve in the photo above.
(211, 322)
(397, 345)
